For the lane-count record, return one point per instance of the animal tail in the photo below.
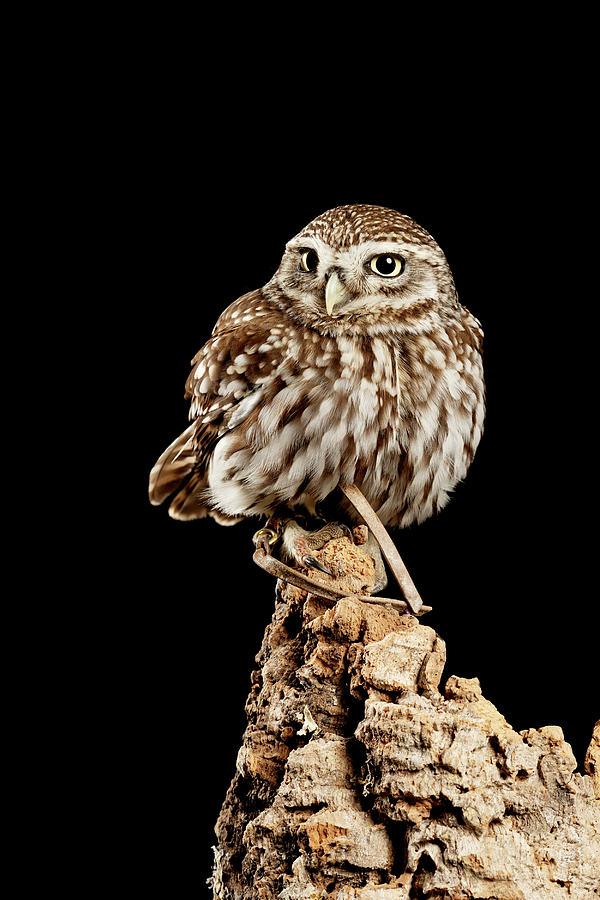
(177, 470)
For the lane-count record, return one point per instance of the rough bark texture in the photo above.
(358, 780)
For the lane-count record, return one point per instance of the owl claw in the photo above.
(311, 561)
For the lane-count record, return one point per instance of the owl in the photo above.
(356, 363)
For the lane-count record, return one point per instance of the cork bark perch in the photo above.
(362, 777)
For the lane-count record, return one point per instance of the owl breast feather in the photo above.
(293, 413)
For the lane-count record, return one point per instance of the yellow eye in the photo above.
(309, 260)
(387, 264)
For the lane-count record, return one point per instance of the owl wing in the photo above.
(225, 387)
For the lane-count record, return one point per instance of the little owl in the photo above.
(356, 363)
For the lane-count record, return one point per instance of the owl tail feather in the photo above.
(180, 468)
(175, 471)
(189, 502)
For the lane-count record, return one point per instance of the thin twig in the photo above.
(388, 548)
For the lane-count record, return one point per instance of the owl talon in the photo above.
(311, 561)
(298, 542)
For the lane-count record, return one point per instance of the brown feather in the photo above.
(172, 467)
(189, 503)
(290, 398)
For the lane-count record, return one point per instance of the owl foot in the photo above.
(299, 545)
(349, 577)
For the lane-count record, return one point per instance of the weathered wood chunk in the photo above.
(359, 780)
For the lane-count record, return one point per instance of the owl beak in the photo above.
(335, 293)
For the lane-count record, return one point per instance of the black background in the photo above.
(200, 194)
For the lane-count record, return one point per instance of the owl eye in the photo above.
(387, 264)
(308, 260)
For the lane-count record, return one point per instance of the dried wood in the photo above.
(362, 776)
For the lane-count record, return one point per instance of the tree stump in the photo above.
(358, 779)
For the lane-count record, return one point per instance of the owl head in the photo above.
(362, 267)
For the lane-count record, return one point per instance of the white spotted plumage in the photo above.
(288, 400)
